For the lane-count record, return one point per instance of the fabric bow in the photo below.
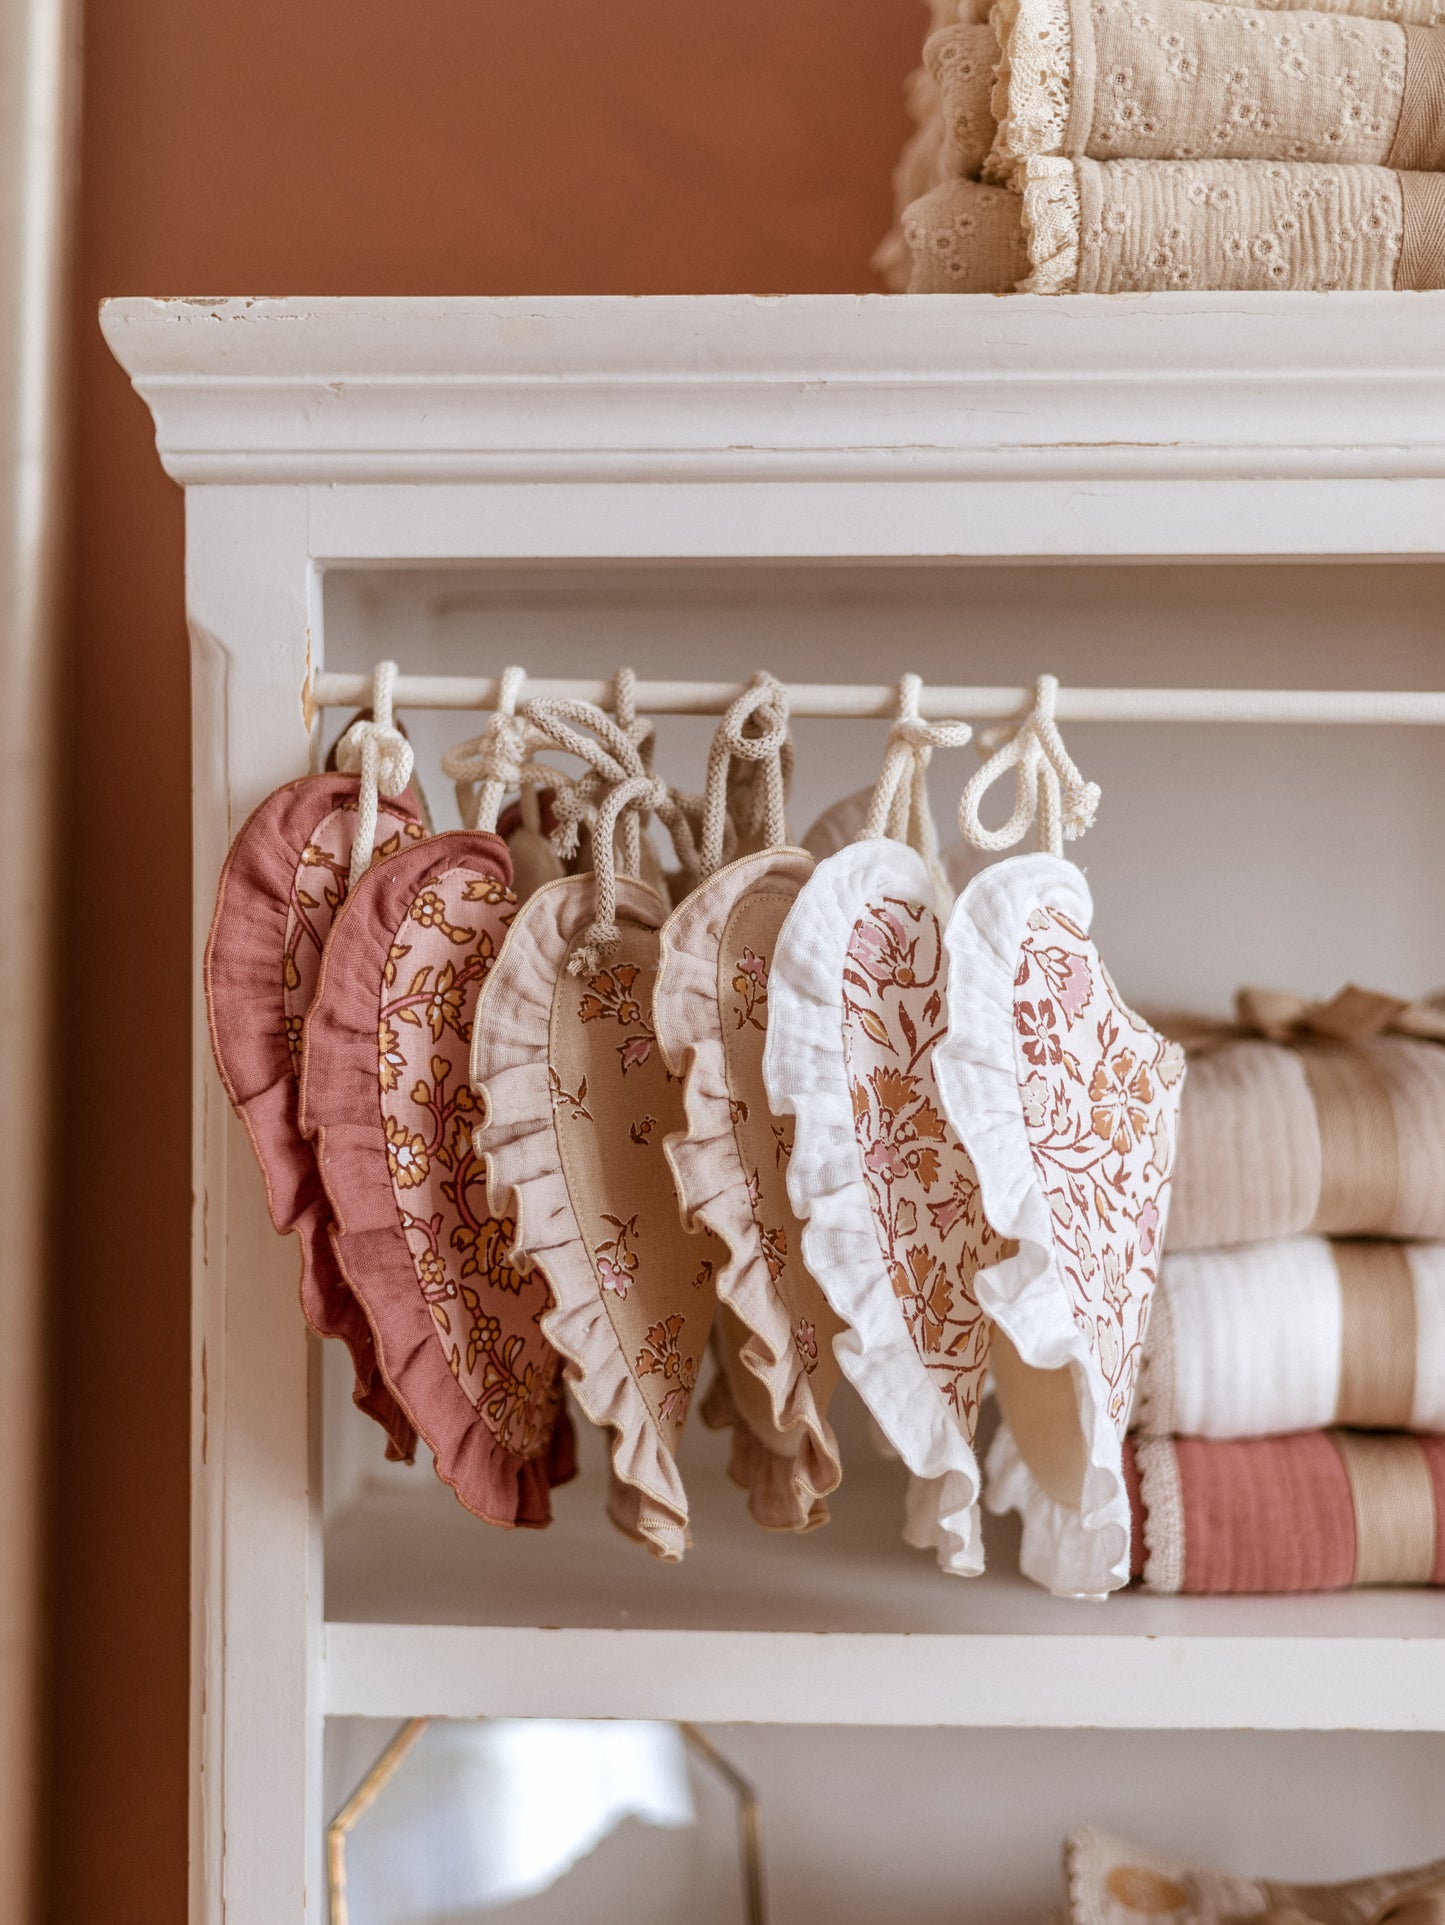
(1048, 788)
(1425, 1905)
(1351, 1015)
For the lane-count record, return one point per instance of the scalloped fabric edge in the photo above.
(1033, 83)
(340, 1110)
(526, 1180)
(245, 1015)
(1071, 1552)
(806, 1077)
(711, 1182)
(1053, 224)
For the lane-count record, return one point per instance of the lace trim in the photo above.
(511, 1048)
(712, 1188)
(1081, 1550)
(1052, 225)
(1154, 1398)
(1163, 1500)
(806, 1077)
(1033, 83)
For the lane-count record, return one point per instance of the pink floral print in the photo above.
(1100, 1094)
(921, 1183)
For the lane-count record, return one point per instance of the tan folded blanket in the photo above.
(1115, 227)
(961, 63)
(1186, 80)
(1339, 1139)
(1129, 226)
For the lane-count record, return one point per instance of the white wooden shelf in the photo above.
(732, 442)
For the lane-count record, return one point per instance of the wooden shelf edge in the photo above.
(1107, 1681)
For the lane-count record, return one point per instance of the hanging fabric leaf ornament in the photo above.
(1067, 1103)
(894, 1225)
(775, 1329)
(386, 1095)
(282, 886)
(578, 1103)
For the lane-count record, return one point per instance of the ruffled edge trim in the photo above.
(1052, 225)
(340, 1110)
(526, 1181)
(707, 1169)
(1161, 1496)
(806, 1077)
(246, 1016)
(766, 1476)
(1070, 1552)
(1033, 83)
(1155, 1401)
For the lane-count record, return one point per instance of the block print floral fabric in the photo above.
(1100, 1094)
(922, 1186)
(485, 1314)
(318, 890)
(614, 1101)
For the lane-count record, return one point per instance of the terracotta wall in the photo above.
(335, 147)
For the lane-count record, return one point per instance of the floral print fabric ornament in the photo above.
(1068, 1104)
(283, 883)
(774, 1338)
(894, 1228)
(578, 1102)
(386, 1095)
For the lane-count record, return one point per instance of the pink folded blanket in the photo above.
(1319, 1511)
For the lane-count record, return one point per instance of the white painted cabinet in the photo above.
(1218, 492)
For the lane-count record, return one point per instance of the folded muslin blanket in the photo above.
(1113, 1883)
(1335, 1138)
(1124, 226)
(1189, 80)
(1318, 1511)
(961, 63)
(1295, 1335)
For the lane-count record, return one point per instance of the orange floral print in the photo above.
(662, 1355)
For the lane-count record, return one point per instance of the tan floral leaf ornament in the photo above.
(386, 1094)
(283, 884)
(894, 1225)
(1068, 1104)
(775, 1329)
(578, 1102)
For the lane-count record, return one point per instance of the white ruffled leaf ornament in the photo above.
(774, 1335)
(1068, 1104)
(894, 1230)
(579, 1101)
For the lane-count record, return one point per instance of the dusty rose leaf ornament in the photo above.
(1068, 1103)
(777, 1370)
(385, 1093)
(578, 1102)
(894, 1229)
(282, 886)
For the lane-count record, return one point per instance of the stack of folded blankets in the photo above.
(1117, 146)
(1292, 1390)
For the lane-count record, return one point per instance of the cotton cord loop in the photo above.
(750, 766)
(616, 792)
(1048, 788)
(488, 768)
(900, 809)
(377, 752)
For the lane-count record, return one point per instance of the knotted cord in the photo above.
(1048, 788)
(767, 756)
(899, 808)
(491, 765)
(380, 754)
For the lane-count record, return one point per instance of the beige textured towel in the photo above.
(1188, 80)
(961, 63)
(1338, 1139)
(966, 238)
(1129, 226)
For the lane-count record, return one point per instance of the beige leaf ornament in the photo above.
(775, 1330)
(894, 1228)
(1067, 1102)
(579, 1101)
